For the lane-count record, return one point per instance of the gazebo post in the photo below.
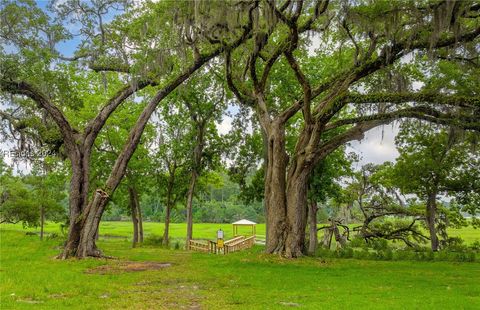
(244, 222)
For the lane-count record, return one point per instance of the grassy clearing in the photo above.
(32, 279)
(203, 230)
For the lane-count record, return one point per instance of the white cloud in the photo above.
(225, 126)
(375, 149)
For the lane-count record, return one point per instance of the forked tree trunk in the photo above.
(133, 211)
(89, 223)
(312, 223)
(285, 200)
(430, 219)
(77, 199)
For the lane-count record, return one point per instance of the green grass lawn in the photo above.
(32, 279)
(203, 230)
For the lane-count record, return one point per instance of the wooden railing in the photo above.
(233, 245)
(236, 239)
(242, 244)
(199, 246)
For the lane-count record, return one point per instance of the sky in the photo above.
(374, 148)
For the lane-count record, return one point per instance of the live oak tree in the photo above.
(148, 45)
(358, 41)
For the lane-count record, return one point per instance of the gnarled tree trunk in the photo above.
(90, 220)
(275, 190)
(77, 199)
(296, 212)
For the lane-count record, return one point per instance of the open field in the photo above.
(32, 279)
(203, 230)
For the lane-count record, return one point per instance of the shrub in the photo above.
(153, 240)
(357, 242)
(52, 236)
(475, 246)
(459, 254)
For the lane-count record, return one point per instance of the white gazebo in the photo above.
(244, 222)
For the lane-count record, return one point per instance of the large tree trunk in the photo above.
(296, 213)
(275, 190)
(90, 222)
(312, 223)
(77, 199)
(133, 211)
(430, 219)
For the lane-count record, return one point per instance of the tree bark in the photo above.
(313, 233)
(90, 221)
(430, 220)
(296, 213)
(327, 238)
(133, 211)
(191, 190)
(77, 199)
(140, 221)
(275, 190)
(170, 203)
(167, 225)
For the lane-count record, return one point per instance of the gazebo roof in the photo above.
(244, 222)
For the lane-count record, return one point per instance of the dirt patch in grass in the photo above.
(123, 266)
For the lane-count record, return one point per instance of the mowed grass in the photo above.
(203, 230)
(32, 279)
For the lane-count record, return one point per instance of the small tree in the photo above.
(31, 199)
(435, 162)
